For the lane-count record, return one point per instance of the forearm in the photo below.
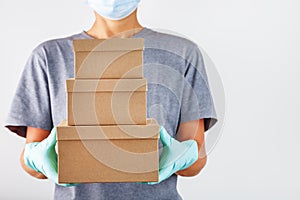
(193, 130)
(29, 170)
(194, 169)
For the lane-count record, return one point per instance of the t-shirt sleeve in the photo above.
(31, 102)
(197, 101)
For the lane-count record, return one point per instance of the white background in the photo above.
(255, 46)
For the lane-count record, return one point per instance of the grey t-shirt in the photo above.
(178, 91)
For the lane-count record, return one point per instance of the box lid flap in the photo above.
(112, 44)
(148, 131)
(102, 85)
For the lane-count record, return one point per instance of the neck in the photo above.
(105, 28)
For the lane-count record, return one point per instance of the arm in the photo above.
(193, 130)
(33, 135)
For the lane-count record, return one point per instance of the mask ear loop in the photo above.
(138, 8)
(139, 5)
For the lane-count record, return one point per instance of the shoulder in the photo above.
(57, 44)
(171, 42)
(169, 39)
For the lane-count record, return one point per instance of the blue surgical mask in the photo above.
(113, 9)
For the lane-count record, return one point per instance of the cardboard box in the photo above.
(108, 58)
(106, 101)
(120, 153)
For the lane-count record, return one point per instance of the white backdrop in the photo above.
(255, 46)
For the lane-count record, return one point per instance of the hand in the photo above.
(175, 155)
(41, 157)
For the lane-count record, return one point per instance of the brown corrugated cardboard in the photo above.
(108, 58)
(106, 101)
(117, 153)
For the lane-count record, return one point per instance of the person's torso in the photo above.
(164, 64)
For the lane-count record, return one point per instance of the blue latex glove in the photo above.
(175, 155)
(41, 157)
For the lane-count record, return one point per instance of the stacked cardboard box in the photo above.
(107, 137)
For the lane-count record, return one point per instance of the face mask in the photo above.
(113, 9)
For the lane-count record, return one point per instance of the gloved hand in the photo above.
(175, 155)
(41, 157)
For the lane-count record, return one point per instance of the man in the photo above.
(178, 98)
